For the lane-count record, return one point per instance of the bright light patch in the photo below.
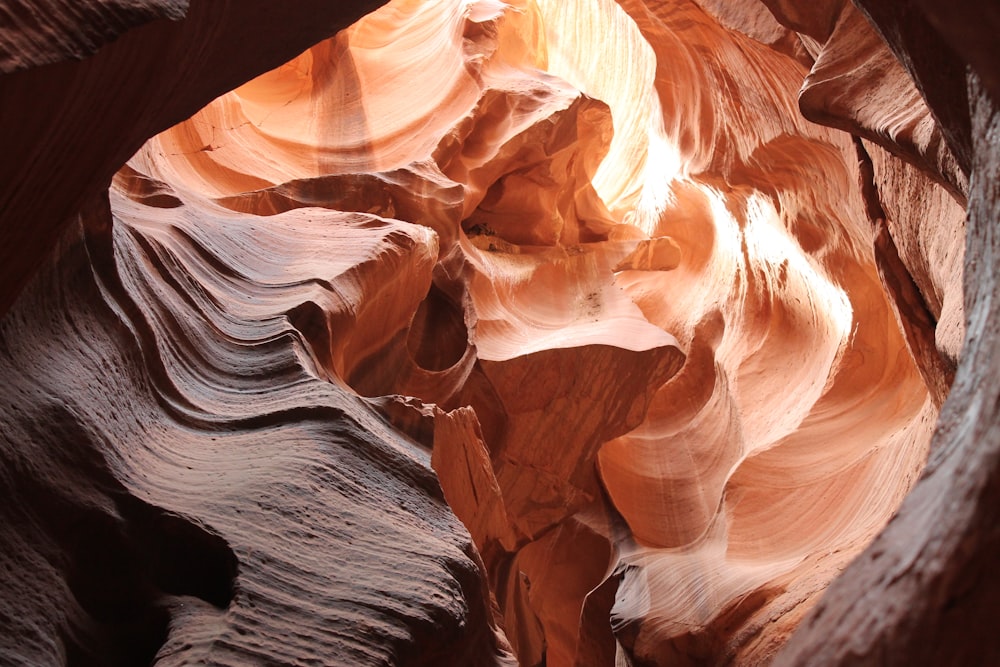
(620, 70)
(663, 163)
(768, 239)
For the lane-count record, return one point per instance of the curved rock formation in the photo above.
(86, 109)
(456, 339)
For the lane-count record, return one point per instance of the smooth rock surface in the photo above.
(492, 333)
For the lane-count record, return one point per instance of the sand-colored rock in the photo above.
(923, 591)
(77, 121)
(530, 332)
(550, 313)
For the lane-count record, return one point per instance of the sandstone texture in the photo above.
(481, 332)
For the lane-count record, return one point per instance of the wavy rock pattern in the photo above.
(553, 315)
(101, 109)
(923, 591)
(455, 341)
(284, 488)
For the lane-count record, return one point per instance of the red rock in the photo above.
(487, 333)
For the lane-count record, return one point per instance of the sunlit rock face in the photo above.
(529, 332)
(683, 374)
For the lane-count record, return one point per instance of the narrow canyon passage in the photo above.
(533, 332)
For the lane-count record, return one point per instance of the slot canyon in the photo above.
(578, 333)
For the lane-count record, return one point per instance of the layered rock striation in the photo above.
(484, 333)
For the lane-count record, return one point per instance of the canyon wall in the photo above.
(479, 332)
